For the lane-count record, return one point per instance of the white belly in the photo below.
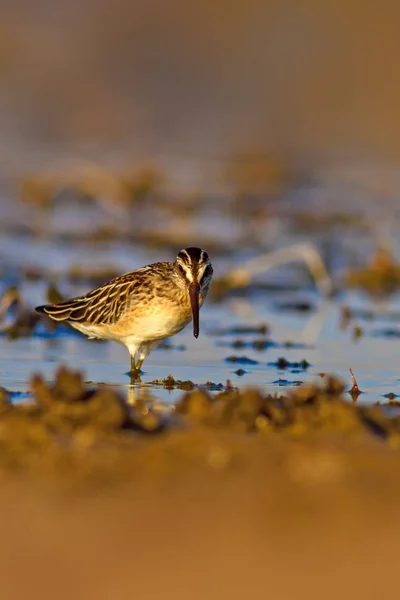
(158, 327)
(145, 329)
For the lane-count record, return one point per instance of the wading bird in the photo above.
(143, 307)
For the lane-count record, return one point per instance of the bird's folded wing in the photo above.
(105, 304)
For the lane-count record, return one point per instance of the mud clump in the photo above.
(170, 383)
(68, 404)
(23, 319)
(242, 360)
(81, 433)
(380, 278)
(240, 372)
(306, 410)
(283, 364)
(261, 329)
(258, 344)
(66, 423)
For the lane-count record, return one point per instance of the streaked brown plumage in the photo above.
(143, 307)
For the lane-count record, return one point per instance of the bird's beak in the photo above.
(194, 290)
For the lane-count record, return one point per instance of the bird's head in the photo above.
(194, 271)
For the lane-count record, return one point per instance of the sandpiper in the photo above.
(143, 307)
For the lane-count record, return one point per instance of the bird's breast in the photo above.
(156, 321)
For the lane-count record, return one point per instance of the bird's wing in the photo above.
(105, 304)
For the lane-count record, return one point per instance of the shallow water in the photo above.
(315, 338)
(314, 335)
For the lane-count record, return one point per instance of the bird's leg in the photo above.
(135, 377)
(141, 356)
(139, 363)
(135, 370)
(144, 351)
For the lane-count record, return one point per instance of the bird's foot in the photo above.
(135, 374)
(135, 370)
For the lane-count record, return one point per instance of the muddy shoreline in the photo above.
(205, 507)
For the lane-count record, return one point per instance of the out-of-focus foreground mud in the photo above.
(237, 496)
(286, 520)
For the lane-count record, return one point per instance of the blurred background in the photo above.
(216, 102)
(309, 83)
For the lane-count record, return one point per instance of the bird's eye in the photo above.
(181, 269)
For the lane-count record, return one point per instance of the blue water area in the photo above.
(243, 338)
(316, 338)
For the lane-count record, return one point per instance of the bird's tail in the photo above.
(64, 311)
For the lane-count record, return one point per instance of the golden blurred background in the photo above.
(311, 81)
(107, 110)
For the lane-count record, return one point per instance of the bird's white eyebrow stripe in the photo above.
(186, 254)
(193, 262)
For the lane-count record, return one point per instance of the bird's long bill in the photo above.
(194, 290)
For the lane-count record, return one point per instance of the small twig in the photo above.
(355, 390)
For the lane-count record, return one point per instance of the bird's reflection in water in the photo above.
(138, 395)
